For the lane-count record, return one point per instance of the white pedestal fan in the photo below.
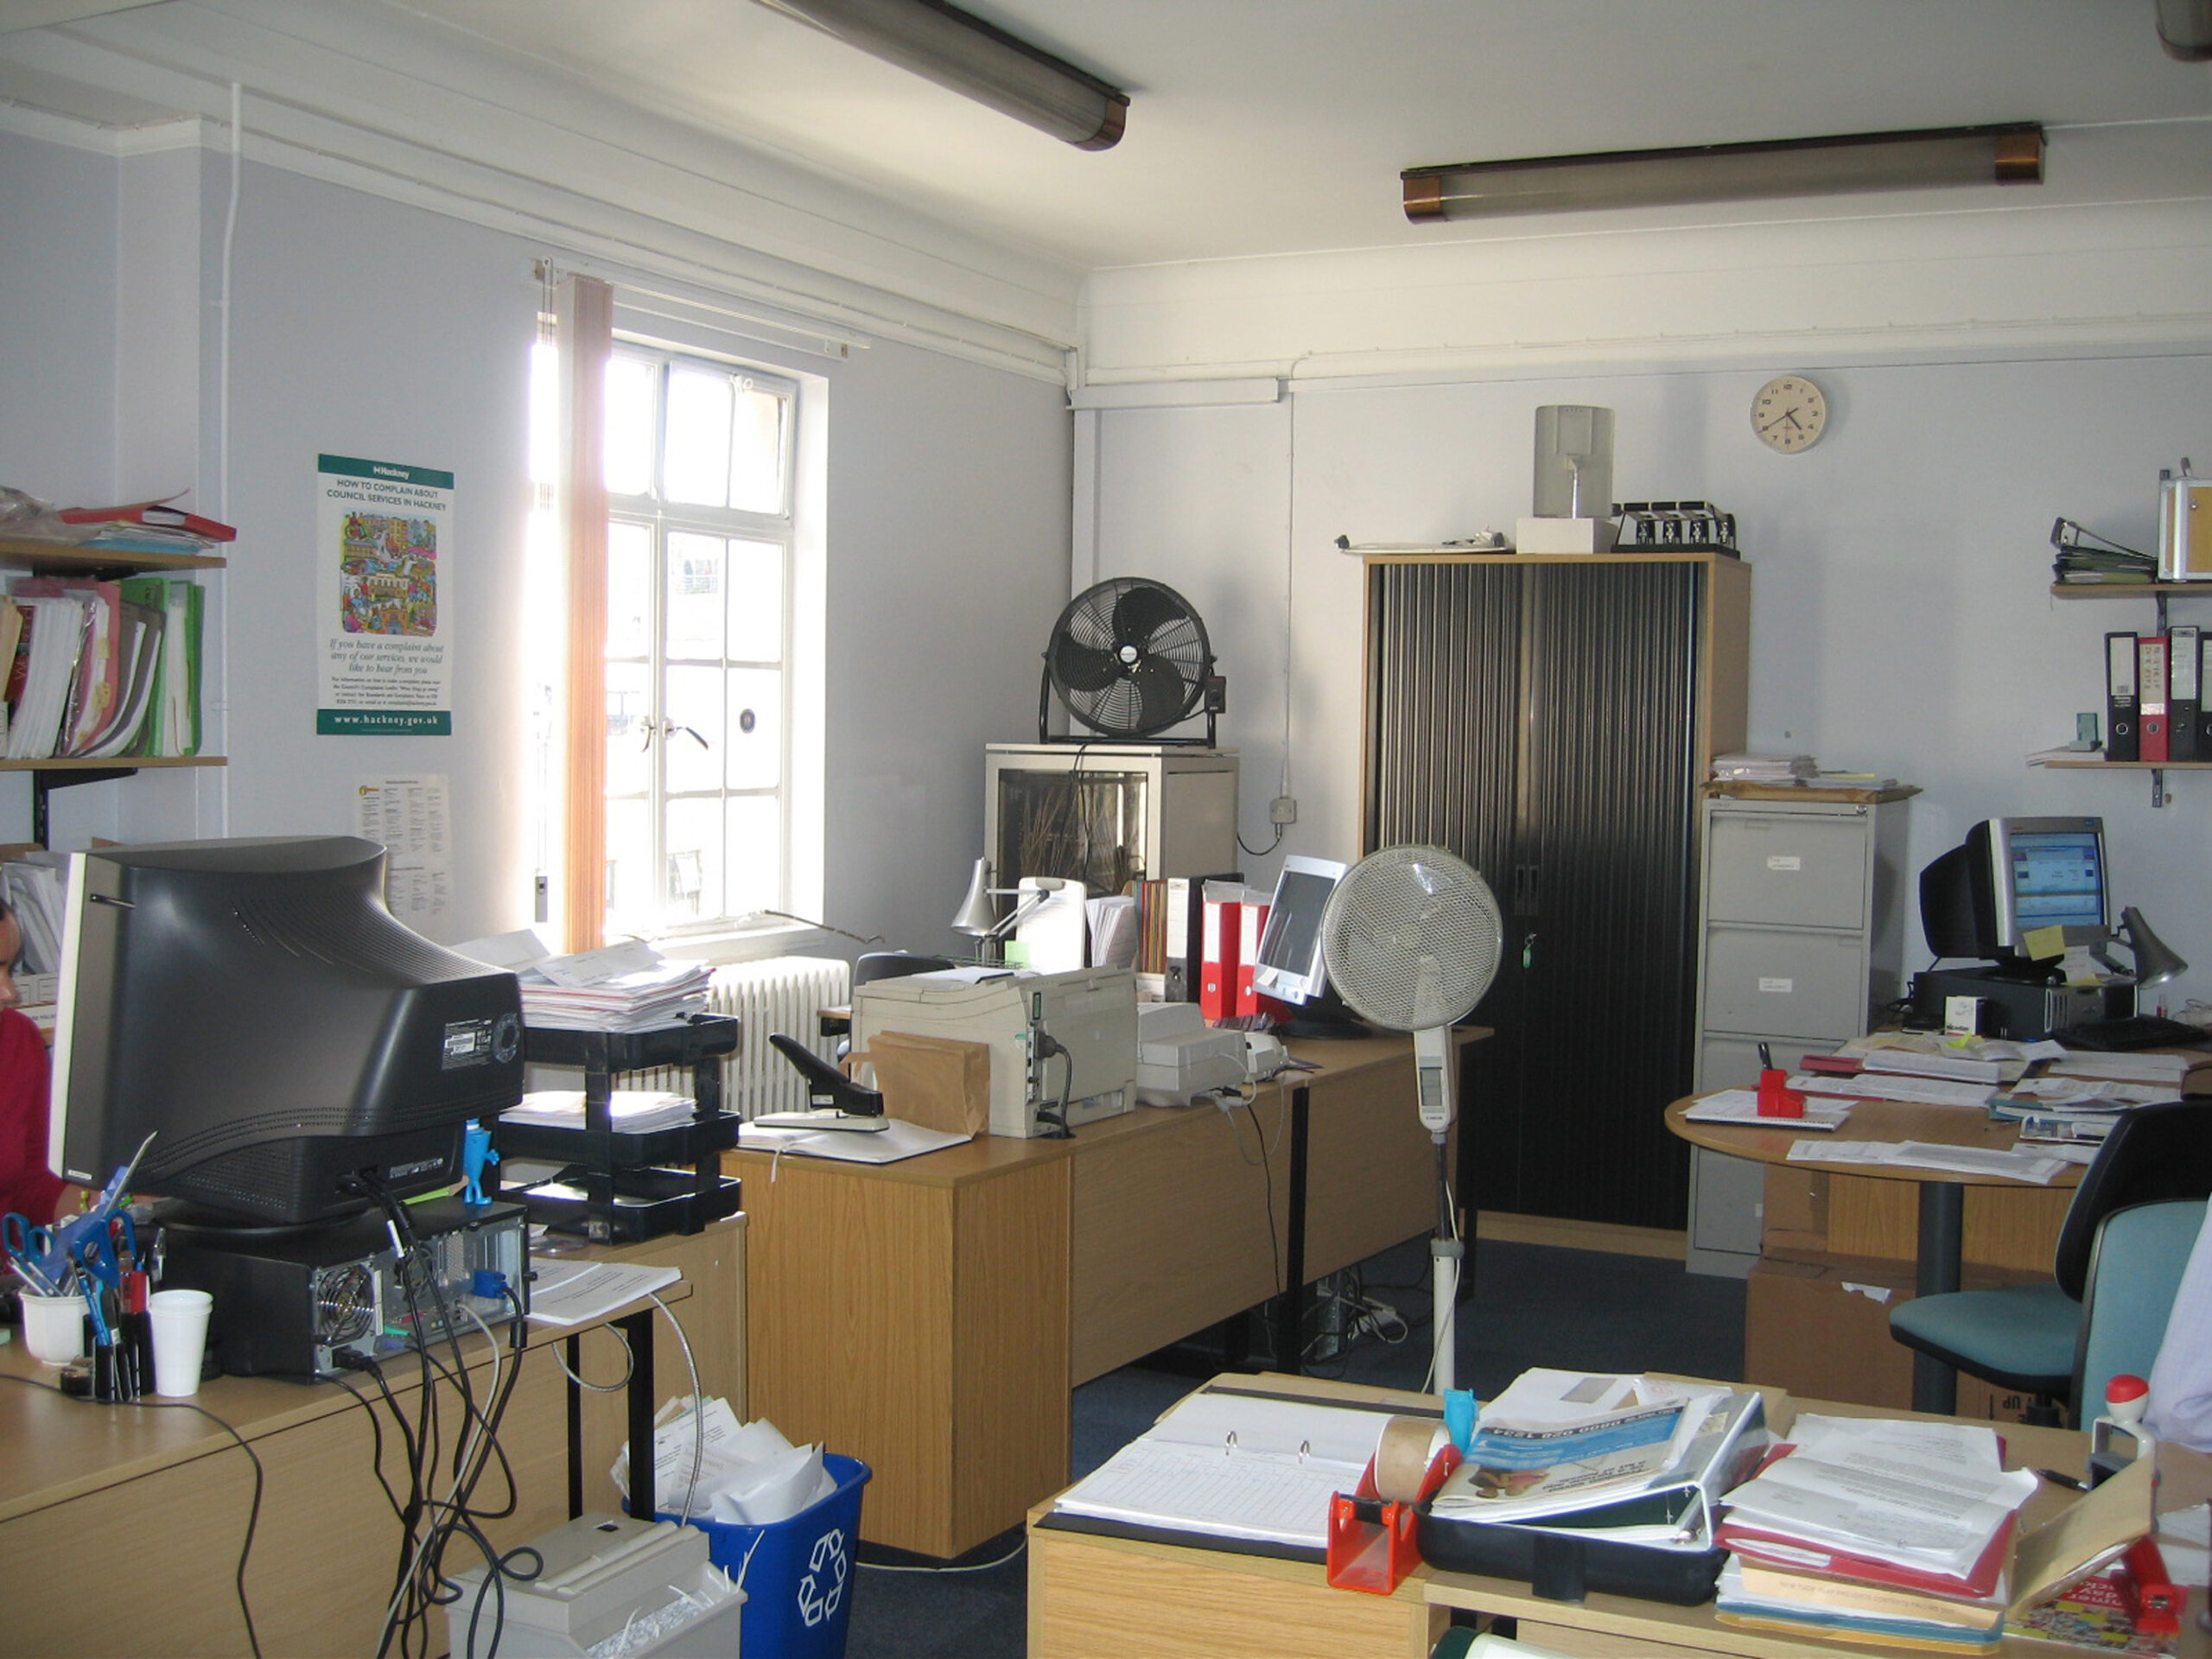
(1410, 940)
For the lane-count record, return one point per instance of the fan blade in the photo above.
(1142, 611)
(1082, 668)
(1162, 694)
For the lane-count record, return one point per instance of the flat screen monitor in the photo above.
(1289, 965)
(2010, 877)
(294, 1051)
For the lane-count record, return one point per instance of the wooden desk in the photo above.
(121, 1526)
(1099, 1598)
(1941, 1192)
(929, 1317)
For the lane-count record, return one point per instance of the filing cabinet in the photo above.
(1801, 936)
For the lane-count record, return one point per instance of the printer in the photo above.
(1072, 1033)
(1180, 1057)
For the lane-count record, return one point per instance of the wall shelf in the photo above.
(2158, 593)
(35, 557)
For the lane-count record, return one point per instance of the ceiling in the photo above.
(1272, 127)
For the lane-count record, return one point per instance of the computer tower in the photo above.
(2020, 1009)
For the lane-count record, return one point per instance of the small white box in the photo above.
(1961, 1016)
(1563, 536)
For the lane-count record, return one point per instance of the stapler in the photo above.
(837, 1103)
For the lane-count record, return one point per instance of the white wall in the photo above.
(362, 326)
(1901, 621)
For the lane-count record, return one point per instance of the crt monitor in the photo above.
(1288, 964)
(293, 1049)
(2010, 877)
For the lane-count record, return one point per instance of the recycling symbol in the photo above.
(823, 1587)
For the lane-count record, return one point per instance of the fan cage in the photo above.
(1402, 908)
(1129, 658)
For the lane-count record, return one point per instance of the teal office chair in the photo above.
(2025, 1337)
(2134, 1271)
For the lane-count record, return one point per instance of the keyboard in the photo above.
(2136, 1031)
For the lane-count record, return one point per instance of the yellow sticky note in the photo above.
(2044, 942)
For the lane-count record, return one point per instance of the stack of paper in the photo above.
(626, 987)
(1763, 768)
(631, 1111)
(1886, 1531)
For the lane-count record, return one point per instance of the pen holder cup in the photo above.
(53, 1327)
(1776, 1098)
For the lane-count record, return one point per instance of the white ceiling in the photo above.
(1265, 127)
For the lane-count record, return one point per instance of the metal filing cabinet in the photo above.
(1801, 924)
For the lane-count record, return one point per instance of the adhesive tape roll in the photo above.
(1402, 1456)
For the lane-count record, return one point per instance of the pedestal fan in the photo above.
(1410, 939)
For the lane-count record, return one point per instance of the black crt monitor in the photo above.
(291, 1048)
(2010, 877)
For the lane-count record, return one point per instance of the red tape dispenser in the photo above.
(1373, 1540)
(1776, 1098)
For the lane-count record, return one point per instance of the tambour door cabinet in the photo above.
(1550, 720)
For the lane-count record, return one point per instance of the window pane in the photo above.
(694, 626)
(694, 759)
(756, 602)
(693, 874)
(631, 385)
(629, 712)
(629, 590)
(756, 854)
(756, 456)
(696, 468)
(756, 728)
(629, 868)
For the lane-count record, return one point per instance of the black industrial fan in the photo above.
(1128, 657)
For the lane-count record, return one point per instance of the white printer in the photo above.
(1180, 1057)
(1023, 1019)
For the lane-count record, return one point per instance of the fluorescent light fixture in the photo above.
(943, 44)
(1785, 167)
(2185, 29)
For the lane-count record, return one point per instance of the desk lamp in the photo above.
(976, 916)
(2155, 961)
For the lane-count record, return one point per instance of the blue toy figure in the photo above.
(476, 1151)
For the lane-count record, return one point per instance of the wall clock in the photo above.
(1789, 413)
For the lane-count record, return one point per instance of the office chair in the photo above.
(2135, 1270)
(895, 965)
(2025, 1337)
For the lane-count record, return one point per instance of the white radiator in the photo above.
(785, 994)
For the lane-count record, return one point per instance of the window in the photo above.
(699, 460)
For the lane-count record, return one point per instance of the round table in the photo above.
(1942, 1191)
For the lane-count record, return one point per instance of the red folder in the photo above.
(1219, 954)
(1795, 1556)
(2151, 690)
(158, 515)
(1252, 922)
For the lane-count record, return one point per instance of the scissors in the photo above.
(96, 1255)
(123, 1239)
(31, 1249)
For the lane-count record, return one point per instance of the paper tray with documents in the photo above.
(1563, 1566)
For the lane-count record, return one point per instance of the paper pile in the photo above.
(748, 1474)
(629, 986)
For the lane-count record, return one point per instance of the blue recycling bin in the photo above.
(798, 1575)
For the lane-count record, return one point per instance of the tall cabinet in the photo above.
(1803, 936)
(1551, 721)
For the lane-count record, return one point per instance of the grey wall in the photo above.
(1902, 617)
(364, 327)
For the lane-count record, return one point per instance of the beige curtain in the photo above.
(587, 324)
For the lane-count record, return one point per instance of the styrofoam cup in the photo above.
(180, 1319)
(53, 1327)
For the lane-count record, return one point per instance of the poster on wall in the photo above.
(408, 818)
(383, 607)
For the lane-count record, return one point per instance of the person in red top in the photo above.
(27, 1186)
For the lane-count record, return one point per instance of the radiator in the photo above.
(784, 994)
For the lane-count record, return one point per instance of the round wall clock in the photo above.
(1789, 413)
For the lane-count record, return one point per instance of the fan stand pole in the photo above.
(1444, 1251)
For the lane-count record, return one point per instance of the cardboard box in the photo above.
(1819, 1328)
